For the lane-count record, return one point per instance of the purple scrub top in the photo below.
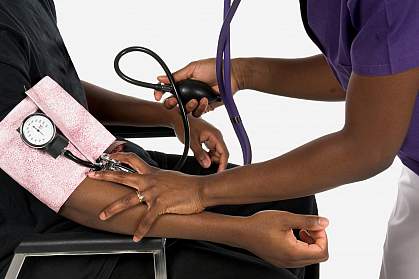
(369, 37)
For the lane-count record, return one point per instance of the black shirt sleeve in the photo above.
(14, 70)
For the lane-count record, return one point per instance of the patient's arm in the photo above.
(85, 204)
(112, 108)
(267, 234)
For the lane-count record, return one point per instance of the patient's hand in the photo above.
(269, 235)
(203, 132)
(163, 191)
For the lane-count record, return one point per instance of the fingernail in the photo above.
(136, 239)
(91, 174)
(206, 163)
(323, 222)
(102, 216)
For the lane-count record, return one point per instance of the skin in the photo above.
(264, 234)
(307, 78)
(378, 113)
(113, 108)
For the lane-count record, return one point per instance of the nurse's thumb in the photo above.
(305, 222)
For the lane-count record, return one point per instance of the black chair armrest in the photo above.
(140, 132)
(86, 242)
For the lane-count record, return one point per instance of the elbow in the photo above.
(375, 161)
(369, 157)
(381, 161)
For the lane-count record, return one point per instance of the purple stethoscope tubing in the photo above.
(223, 71)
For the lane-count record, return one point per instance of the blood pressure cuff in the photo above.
(51, 180)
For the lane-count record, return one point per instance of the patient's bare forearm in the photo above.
(113, 108)
(92, 196)
(305, 78)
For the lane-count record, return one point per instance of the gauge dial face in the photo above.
(37, 130)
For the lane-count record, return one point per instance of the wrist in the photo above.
(173, 119)
(206, 189)
(239, 70)
(240, 232)
(235, 231)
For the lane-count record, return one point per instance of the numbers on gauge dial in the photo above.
(38, 130)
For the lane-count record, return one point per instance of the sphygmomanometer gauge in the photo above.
(37, 130)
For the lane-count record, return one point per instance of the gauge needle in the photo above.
(39, 131)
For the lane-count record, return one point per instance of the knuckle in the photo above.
(148, 196)
(152, 180)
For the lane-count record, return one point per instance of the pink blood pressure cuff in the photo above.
(51, 180)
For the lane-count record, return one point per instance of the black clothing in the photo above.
(187, 259)
(30, 48)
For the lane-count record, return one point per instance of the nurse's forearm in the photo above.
(375, 128)
(320, 165)
(305, 78)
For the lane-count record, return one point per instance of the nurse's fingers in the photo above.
(146, 222)
(129, 179)
(191, 105)
(201, 108)
(158, 95)
(184, 73)
(218, 151)
(119, 206)
(170, 103)
(133, 160)
(127, 202)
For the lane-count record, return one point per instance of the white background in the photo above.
(183, 31)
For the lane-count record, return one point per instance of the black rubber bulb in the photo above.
(190, 89)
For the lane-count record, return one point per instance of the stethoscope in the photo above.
(189, 89)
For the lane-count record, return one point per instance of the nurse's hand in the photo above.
(203, 133)
(203, 70)
(163, 191)
(269, 235)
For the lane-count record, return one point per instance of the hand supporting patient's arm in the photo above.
(86, 202)
(262, 234)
